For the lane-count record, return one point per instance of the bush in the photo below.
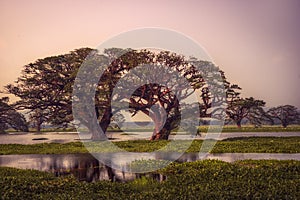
(208, 179)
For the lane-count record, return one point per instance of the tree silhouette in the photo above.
(161, 88)
(47, 85)
(37, 117)
(248, 108)
(9, 117)
(286, 114)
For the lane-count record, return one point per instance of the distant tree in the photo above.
(239, 108)
(248, 108)
(117, 121)
(37, 117)
(286, 114)
(213, 108)
(9, 117)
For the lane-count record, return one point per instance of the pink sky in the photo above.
(255, 42)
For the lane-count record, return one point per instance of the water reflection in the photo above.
(83, 166)
(86, 168)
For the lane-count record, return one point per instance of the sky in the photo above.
(255, 42)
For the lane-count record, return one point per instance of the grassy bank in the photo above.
(248, 128)
(203, 129)
(194, 180)
(235, 145)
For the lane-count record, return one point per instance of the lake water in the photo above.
(87, 168)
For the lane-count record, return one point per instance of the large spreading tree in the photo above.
(246, 108)
(45, 88)
(160, 101)
(161, 97)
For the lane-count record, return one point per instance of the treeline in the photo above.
(55, 89)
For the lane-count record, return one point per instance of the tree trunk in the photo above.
(97, 134)
(166, 125)
(284, 124)
(239, 123)
(38, 127)
(160, 131)
(158, 126)
(95, 130)
(105, 121)
(163, 134)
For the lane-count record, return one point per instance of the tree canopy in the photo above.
(46, 86)
(286, 114)
(158, 98)
(246, 108)
(159, 84)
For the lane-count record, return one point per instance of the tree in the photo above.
(286, 114)
(248, 108)
(9, 117)
(45, 86)
(239, 108)
(160, 101)
(117, 121)
(116, 63)
(170, 80)
(37, 117)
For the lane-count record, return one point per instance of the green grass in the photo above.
(231, 129)
(203, 129)
(248, 128)
(43, 148)
(235, 145)
(259, 145)
(194, 180)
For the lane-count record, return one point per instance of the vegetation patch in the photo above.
(233, 145)
(247, 128)
(208, 179)
(148, 165)
(258, 145)
(43, 148)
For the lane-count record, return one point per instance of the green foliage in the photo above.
(148, 165)
(234, 145)
(259, 145)
(45, 86)
(209, 179)
(232, 129)
(55, 89)
(43, 148)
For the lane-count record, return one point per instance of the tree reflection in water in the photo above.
(87, 168)
(82, 166)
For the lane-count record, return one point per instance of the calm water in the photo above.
(86, 168)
